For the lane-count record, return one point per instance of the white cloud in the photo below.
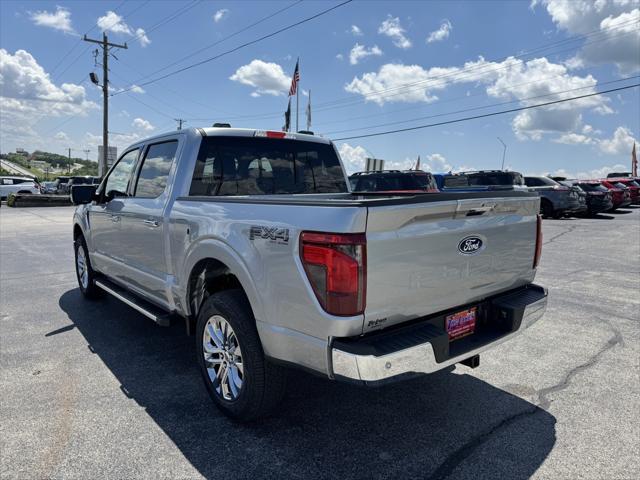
(620, 143)
(353, 158)
(61, 136)
(340, 57)
(220, 14)
(595, 173)
(24, 81)
(142, 124)
(121, 141)
(58, 20)
(112, 22)
(391, 28)
(574, 139)
(359, 52)
(136, 89)
(141, 36)
(397, 83)
(355, 31)
(617, 21)
(27, 95)
(528, 83)
(442, 33)
(266, 77)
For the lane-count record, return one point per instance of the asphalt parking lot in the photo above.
(95, 390)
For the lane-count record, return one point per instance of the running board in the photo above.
(149, 310)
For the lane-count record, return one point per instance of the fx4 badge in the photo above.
(273, 234)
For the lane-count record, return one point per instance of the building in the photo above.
(374, 165)
(112, 155)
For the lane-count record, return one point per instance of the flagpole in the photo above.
(298, 96)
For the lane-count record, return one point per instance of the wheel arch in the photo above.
(213, 267)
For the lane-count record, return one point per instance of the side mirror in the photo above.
(82, 194)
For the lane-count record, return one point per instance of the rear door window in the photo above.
(265, 166)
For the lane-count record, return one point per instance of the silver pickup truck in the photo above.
(254, 240)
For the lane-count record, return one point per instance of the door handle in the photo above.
(151, 223)
(115, 218)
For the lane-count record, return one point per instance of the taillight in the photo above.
(536, 257)
(336, 266)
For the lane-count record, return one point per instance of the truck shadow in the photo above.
(430, 427)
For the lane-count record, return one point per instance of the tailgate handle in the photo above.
(480, 210)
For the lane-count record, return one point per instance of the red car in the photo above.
(632, 185)
(620, 194)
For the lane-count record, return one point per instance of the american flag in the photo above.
(294, 81)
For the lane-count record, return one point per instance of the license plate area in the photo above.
(461, 324)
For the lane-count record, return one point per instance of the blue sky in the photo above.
(371, 66)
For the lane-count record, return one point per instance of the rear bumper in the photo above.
(424, 347)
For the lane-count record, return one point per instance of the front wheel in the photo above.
(239, 379)
(84, 272)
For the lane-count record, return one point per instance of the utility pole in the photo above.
(86, 152)
(104, 43)
(504, 151)
(180, 122)
(69, 164)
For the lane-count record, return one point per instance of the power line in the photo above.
(484, 68)
(79, 42)
(211, 45)
(492, 114)
(106, 28)
(483, 106)
(172, 16)
(246, 44)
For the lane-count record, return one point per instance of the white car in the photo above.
(9, 185)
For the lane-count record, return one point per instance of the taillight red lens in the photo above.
(536, 257)
(336, 268)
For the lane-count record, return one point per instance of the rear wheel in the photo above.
(84, 272)
(239, 379)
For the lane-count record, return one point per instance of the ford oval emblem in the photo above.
(470, 245)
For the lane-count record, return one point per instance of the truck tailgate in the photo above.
(419, 261)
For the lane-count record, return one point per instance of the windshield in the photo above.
(495, 178)
(456, 181)
(263, 166)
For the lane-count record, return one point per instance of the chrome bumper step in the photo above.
(424, 346)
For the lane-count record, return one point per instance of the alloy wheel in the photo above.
(223, 357)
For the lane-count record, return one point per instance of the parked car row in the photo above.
(31, 185)
(559, 196)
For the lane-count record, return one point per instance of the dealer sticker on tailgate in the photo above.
(461, 324)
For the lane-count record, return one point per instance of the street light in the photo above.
(504, 151)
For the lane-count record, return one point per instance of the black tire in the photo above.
(88, 289)
(546, 208)
(263, 383)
